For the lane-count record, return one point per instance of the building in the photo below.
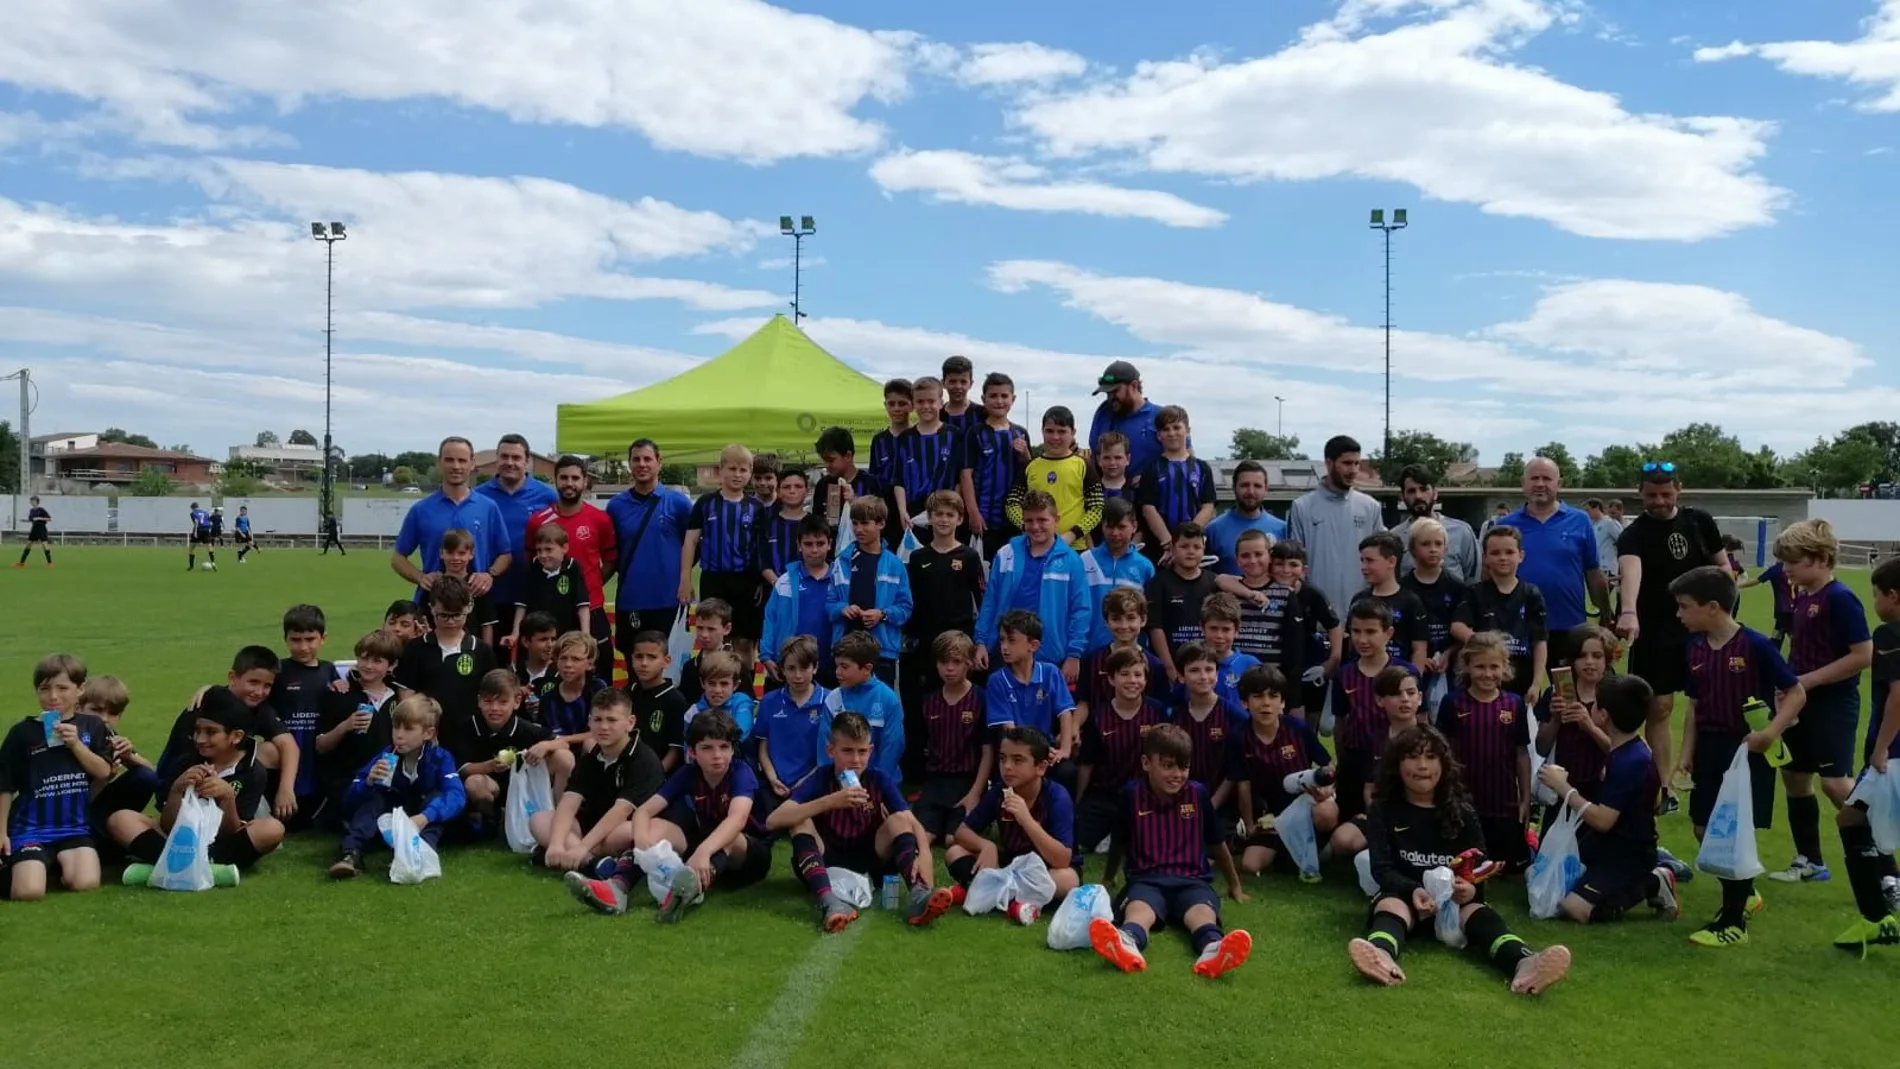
(118, 463)
(539, 466)
(282, 463)
(40, 445)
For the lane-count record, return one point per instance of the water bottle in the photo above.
(369, 710)
(1310, 779)
(1757, 715)
(848, 779)
(892, 892)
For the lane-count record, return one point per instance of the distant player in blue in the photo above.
(200, 536)
(38, 518)
(246, 542)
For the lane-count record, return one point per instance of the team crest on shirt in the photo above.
(1287, 752)
(1216, 734)
(561, 585)
(956, 564)
(1050, 478)
(464, 665)
(1187, 809)
(584, 534)
(1814, 610)
(1678, 546)
(969, 716)
(1738, 664)
(1507, 716)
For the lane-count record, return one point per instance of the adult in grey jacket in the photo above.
(1330, 521)
(1418, 489)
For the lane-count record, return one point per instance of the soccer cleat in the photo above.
(224, 875)
(682, 891)
(22, 564)
(1532, 839)
(958, 894)
(1666, 904)
(838, 913)
(601, 896)
(1755, 904)
(609, 867)
(1864, 933)
(1473, 868)
(1683, 871)
(1225, 956)
(927, 907)
(1374, 963)
(137, 875)
(1541, 971)
(1801, 870)
(1717, 934)
(1115, 945)
(1890, 890)
(348, 865)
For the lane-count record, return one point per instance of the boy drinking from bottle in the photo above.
(354, 725)
(49, 765)
(415, 775)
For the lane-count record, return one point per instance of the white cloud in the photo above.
(1019, 63)
(1005, 182)
(1872, 60)
(729, 78)
(1434, 103)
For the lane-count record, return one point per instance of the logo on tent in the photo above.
(807, 421)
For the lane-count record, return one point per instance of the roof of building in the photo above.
(57, 435)
(122, 451)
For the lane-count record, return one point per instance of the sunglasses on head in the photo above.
(1666, 467)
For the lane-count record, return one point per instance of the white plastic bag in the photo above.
(1294, 825)
(1034, 886)
(1451, 930)
(186, 863)
(1880, 792)
(416, 860)
(679, 647)
(530, 791)
(660, 862)
(1558, 866)
(1069, 928)
(852, 888)
(990, 889)
(1728, 847)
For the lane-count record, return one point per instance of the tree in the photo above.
(368, 467)
(121, 435)
(1838, 466)
(181, 447)
(1884, 436)
(1616, 466)
(1705, 458)
(1421, 447)
(404, 475)
(1510, 471)
(9, 458)
(151, 482)
(686, 475)
(266, 440)
(237, 481)
(1251, 443)
(415, 460)
(1559, 454)
(302, 437)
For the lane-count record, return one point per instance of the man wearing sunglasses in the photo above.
(1666, 541)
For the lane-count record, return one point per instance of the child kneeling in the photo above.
(1036, 814)
(1167, 832)
(228, 774)
(415, 775)
(1421, 818)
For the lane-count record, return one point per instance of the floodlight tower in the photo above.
(329, 234)
(805, 228)
(1378, 223)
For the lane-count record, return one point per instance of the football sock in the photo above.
(49, 554)
(809, 863)
(1487, 934)
(1388, 933)
(1804, 821)
(237, 848)
(1138, 934)
(1863, 870)
(719, 861)
(147, 847)
(25, 553)
(963, 870)
(1206, 936)
(1735, 896)
(905, 849)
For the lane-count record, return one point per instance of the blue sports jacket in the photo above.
(1063, 602)
(893, 596)
(436, 780)
(781, 609)
(1105, 573)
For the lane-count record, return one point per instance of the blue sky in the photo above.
(1625, 215)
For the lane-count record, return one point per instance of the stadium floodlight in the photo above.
(1378, 217)
(329, 235)
(317, 231)
(1398, 222)
(336, 229)
(806, 224)
(806, 228)
(785, 224)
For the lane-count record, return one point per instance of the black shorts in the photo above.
(1713, 754)
(1616, 887)
(1356, 769)
(1095, 817)
(1822, 740)
(47, 853)
(1661, 658)
(1313, 701)
(37, 536)
(995, 537)
(201, 536)
(861, 859)
(745, 592)
(936, 806)
(224, 850)
(1504, 841)
(632, 622)
(243, 538)
(758, 849)
(1169, 896)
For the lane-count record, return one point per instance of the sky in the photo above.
(1624, 215)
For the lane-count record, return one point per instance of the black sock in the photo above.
(719, 861)
(1138, 934)
(147, 847)
(1863, 870)
(25, 553)
(237, 848)
(810, 864)
(1888, 866)
(49, 554)
(1652, 885)
(1804, 821)
(905, 849)
(1735, 896)
(1388, 933)
(963, 870)
(1205, 936)
(1487, 934)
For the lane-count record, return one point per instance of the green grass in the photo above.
(493, 965)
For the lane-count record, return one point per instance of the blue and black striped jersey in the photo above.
(1176, 488)
(778, 543)
(927, 463)
(728, 532)
(53, 790)
(990, 456)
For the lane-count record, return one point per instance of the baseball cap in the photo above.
(1119, 373)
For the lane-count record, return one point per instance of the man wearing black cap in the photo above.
(1126, 410)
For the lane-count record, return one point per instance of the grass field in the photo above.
(494, 966)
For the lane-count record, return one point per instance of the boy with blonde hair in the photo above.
(415, 775)
(719, 690)
(722, 538)
(135, 778)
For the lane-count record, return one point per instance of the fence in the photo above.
(1757, 534)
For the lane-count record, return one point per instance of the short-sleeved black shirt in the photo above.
(561, 595)
(632, 778)
(1668, 549)
(355, 750)
(1174, 604)
(660, 713)
(452, 677)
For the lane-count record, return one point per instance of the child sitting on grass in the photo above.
(594, 817)
(49, 765)
(415, 775)
(1272, 748)
(1033, 813)
(135, 778)
(1422, 819)
(229, 775)
(482, 749)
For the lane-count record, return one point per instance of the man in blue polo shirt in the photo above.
(518, 496)
(454, 507)
(1125, 409)
(649, 529)
(1560, 553)
(1248, 514)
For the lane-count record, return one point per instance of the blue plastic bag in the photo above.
(1558, 867)
(1728, 846)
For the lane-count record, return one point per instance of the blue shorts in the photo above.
(1822, 740)
(1170, 897)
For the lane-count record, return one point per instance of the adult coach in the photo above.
(1330, 520)
(590, 542)
(1127, 411)
(454, 507)
(1560, 554)
(649, 528)
(1418, 491)
(1248, 514)
(1667, 541)
(518, 497)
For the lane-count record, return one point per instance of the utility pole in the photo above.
(806, 228)
(329, 235)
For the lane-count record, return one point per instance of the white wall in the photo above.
(274, 515)
(75, 514)
(157, 515)
(367, 516)
(1859, 521)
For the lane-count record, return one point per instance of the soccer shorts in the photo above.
(1096, 817)
(1615, 887)
(1313, 698)
(861, 857)
(937, 805)
(1170, 897)
(756, 864)
(1822, 740)
(47, 853)
(1504, 841)
(1713, 753)
(744, 591)
(1660, 657)
(1356, 769)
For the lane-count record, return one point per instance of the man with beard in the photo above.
(1248, 514)
(590, 542)
(649, 528)
(1666, 542)
(1560, 554)
(1330, 520)
(455, 507)
(1418, 490)
(518, 497)
(1127, 411)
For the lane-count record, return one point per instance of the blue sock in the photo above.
(1206, 936)
(1138, 934)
